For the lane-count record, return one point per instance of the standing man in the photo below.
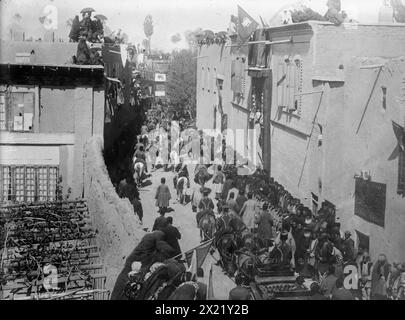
(163, 195)
(265, 226)
(233, 190)
(172, 236)
(379, 278)
(348, 247)
(196, 197)
(241, 198)
(232, 204)
(160, 222)
(218, 182)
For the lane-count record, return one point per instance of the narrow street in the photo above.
(184, 219)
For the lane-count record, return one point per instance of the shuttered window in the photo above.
(370, 200)
(238, 77)
(3, 117)
(289, 86)
(401, 173)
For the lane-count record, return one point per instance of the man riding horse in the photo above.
(139, 164)
(206, 217)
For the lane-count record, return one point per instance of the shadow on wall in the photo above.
(119, 229)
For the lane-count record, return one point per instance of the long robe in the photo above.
(163, 196)
(248, 213)
(265, 224)
(143, 253)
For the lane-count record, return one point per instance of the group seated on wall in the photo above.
(208, 37)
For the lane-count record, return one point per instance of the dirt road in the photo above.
(184, 219)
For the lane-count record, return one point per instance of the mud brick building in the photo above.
(48, 109)
(333, 105)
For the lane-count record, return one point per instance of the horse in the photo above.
(245, 263)
(139, 169)
(227, 246)
(207, 225)
(181, 185)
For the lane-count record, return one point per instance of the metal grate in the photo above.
(42, 184)
(6, 183)
(28, 183)
(19, 183)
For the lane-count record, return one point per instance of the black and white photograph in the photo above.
(202, 150)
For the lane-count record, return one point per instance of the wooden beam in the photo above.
(265, 42)
(22, 138)
(373, 66)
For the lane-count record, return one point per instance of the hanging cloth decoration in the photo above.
(124, 54)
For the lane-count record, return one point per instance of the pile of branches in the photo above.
(46, 239)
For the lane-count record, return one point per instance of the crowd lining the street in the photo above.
(311, 243)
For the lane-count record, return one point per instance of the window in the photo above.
(28, 183)
(17, 111)
(238, 81)
(209, 82)
(289, 85)
(202, 78)
(220, 84)
(370, 201)
(384, 98)
(3, 121)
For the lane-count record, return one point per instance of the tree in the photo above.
(175, 38)
(181, 86)
(191, 38)
(148, 28)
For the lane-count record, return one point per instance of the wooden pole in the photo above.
(309, 139)
(369, 99)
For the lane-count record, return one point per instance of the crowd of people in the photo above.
(269, 221)
(312, 243)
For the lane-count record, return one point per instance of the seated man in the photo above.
(143, 253)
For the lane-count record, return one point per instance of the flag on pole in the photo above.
(192, 269)
(124, 54)
(210, 289)
(201, 253)
(246, 26)
(400, 135)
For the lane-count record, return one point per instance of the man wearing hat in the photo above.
(206, 203)
(85, 23)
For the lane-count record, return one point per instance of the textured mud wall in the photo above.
(119, 229)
